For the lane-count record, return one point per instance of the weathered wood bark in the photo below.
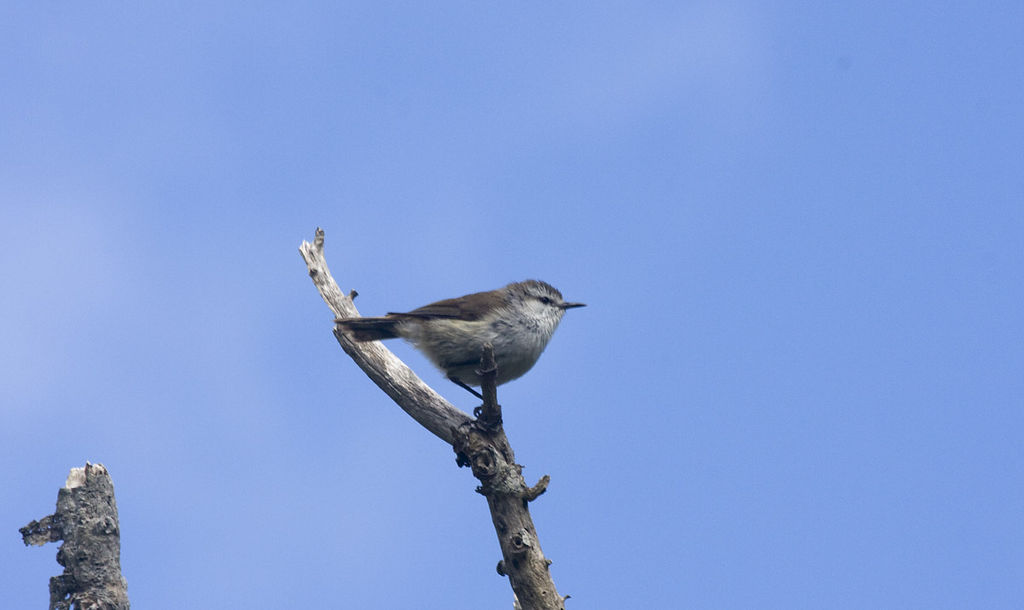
(86, 520)
(479, 443)
(390, 374)
(483, 446)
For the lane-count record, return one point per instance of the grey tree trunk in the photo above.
(86, 520)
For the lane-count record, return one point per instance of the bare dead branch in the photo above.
(390, 374)
(86, 520)
(489, 413)
(484, 447)
(480, 444)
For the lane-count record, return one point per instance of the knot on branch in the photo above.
(521, 542)
(485, 463)
(495, 470)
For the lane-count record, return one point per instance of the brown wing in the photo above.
(469, 307)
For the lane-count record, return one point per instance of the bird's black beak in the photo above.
(571, 305)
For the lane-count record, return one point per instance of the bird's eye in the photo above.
(545, 300)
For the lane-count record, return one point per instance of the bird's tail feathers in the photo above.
(369, 329)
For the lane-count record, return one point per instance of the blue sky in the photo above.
(799, 229)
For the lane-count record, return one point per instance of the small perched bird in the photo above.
(517, 320)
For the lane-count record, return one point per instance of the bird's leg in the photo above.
(459, 383)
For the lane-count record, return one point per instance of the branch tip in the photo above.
(490, 411)
(534, 492)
